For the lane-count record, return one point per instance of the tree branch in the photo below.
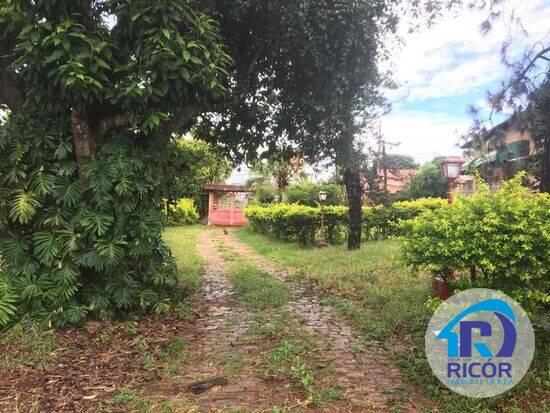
(533, 61)
(182, 120)
(109, 122)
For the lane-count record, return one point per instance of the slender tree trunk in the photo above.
(86, 142)
(545, 176)
(354, 192)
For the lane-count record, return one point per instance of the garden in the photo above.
(122, 123)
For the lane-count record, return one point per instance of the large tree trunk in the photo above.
(86, 142)
(545, 176)
(354, 192)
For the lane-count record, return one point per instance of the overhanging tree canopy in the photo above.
(96, 89)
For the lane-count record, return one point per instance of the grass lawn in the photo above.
(182, 241)
(386, 302)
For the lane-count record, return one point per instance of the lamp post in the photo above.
(322, 199)
(451, 169)
(452, 166)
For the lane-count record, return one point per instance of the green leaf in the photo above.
(23, 207)
(7, 304)
(46, 247)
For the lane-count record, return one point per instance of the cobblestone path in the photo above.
(368, 380)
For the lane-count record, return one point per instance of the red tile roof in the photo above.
(226, 188)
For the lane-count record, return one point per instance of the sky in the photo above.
(444, 69)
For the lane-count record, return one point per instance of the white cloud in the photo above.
(453, 57)
(445, 61)
(424, 135)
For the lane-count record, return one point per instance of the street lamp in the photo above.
(322, 199)
(452, 165)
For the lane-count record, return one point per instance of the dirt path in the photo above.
(222, 334)
(368, 380)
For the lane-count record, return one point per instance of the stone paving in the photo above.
(368, 380)
(223, 329)
(367, 377)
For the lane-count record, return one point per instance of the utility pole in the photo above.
(384, 163)
(383, 157)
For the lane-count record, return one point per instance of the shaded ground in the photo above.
(271, 347)
(77, 368)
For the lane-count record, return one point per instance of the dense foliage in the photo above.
(183, 212)
(95, 90)
(429, 182)
(191, 163)
(500, 239)
(293, 222)
(382, 221)
(73, 247)
(302, 223)
(396, 161)
(92, 104)
(308, 194)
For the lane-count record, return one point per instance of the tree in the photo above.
(277, 170)
(428, 182)
(523, 93)
(95, 90)
(189, 164)
(394, 161)
(318, 87)
(308, 194)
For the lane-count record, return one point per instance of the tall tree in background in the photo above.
(277, 170)
(523, 93)
(191, 163)
(95, 89)
(429, 182)
(395, 161)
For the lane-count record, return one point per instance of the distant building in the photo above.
(397, 179)
(226, 204)
(497, 156)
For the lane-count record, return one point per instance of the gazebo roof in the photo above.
(226, 188)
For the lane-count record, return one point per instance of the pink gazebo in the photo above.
(226, 204)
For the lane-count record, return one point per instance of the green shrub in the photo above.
(183, 213)
(496, 240)
(293, 222)
(382, 221)
(70, 247)
(308, 194)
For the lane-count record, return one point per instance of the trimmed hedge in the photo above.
(383, 221)
(495, 240)
(293, 222)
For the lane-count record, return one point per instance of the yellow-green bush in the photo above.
(382, 221)
(293, 222)
(502, 239)
(301, 223)
(183, 212)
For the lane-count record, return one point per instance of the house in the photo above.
(397, 179)
(226, 204)
(497, 155)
